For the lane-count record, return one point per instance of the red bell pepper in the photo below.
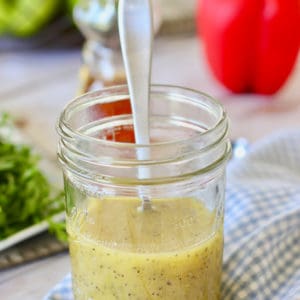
(251, 45)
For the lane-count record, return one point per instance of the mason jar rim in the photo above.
(205, 151)
(65, 130)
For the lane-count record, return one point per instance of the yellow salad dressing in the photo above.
(170, 252)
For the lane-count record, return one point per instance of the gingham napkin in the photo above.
(262, 224)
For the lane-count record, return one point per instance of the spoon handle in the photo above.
(136, 37)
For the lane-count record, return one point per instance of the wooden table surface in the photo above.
(36, 85)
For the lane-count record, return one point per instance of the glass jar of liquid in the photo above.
(156, 236)
(101, 53)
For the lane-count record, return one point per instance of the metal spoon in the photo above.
(136, 37)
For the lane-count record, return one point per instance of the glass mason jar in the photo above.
(146, 227)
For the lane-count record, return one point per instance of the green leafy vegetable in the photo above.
(26, 196)
(58, 229)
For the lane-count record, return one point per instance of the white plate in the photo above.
(29, 232)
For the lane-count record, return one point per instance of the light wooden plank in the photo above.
(20, 72)
(33, 281)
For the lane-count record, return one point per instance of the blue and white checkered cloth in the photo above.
(262, 224)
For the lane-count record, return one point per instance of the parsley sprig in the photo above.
(26, 196)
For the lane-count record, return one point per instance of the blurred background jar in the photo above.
(102, 59)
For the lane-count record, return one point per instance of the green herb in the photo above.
(58, 229)
(26, 196)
